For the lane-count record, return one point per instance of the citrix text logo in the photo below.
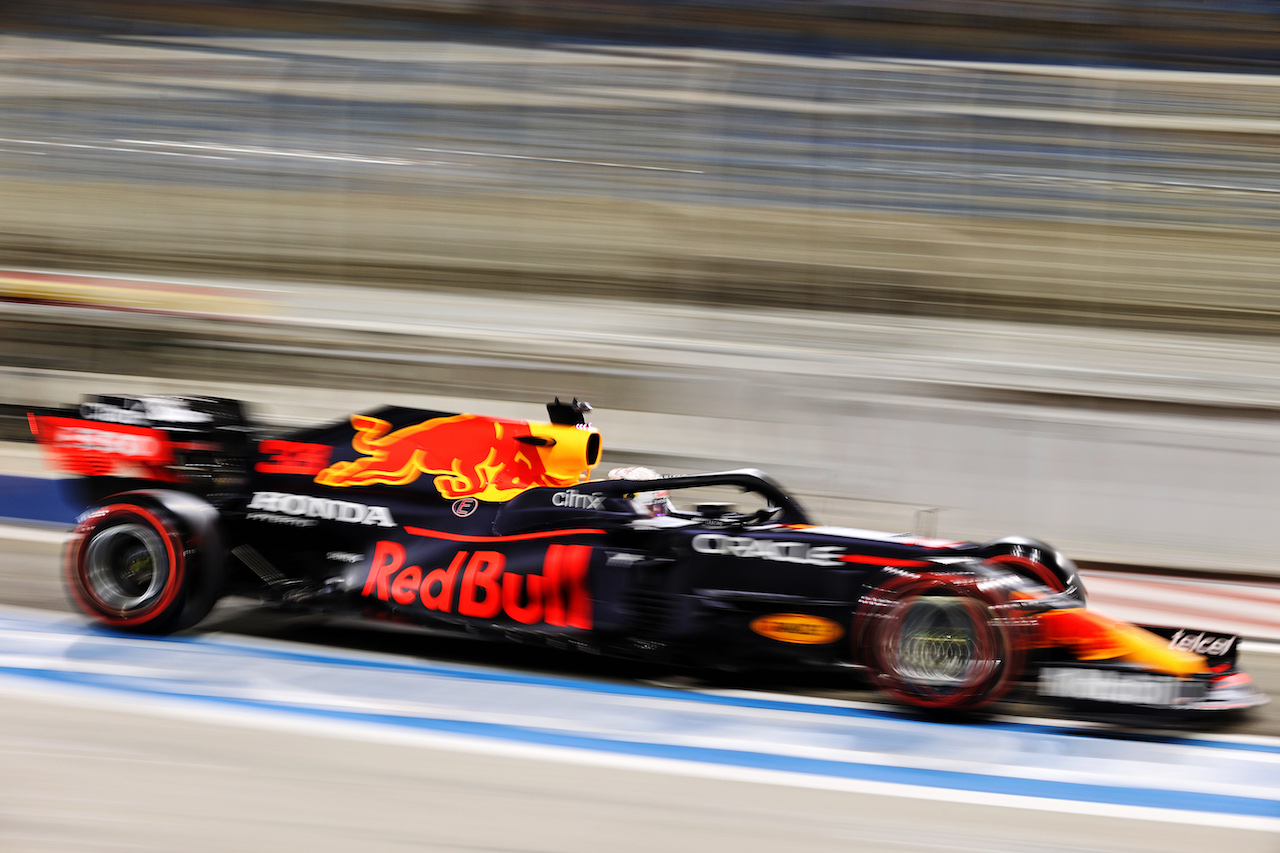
(768, 549)
(578, 500)
(306, 507)
(558, 597)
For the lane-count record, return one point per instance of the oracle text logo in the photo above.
(767, 549)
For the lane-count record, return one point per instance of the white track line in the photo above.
(561, 160)
(269, 152)
(25, 533)
(1208, 592)
(195, 711)
(111, 148)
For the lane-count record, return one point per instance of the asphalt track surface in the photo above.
(88, 766)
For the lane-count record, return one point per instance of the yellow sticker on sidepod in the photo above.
(797, 628)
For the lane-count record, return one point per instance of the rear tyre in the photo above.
(941, 642)
(134, 566)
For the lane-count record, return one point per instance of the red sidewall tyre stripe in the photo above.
(1039, 571)
(77, 571)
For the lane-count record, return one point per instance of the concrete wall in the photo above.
(1112, 446)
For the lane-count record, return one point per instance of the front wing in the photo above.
(1089, 659)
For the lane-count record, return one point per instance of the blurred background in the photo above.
(966, 268)
(970, 267)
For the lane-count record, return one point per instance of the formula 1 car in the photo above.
(492, 528)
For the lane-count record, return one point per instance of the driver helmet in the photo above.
(656, 502)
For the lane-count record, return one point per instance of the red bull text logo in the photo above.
(471, 456)
(477, 585)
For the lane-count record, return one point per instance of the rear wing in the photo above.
(92, 449)
(163, 439)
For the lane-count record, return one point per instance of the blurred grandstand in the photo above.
(1229, 32)
(1106, 162)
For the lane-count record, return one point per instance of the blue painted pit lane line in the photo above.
(830, 747)
(273, 650)
(762, 702)
(36, 499)
(1136, 797)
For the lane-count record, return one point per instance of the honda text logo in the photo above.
(767, 549)
(306, 511)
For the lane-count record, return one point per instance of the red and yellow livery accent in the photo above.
(1093, 637)
(97, 449)
(476, 584)
(491, 459)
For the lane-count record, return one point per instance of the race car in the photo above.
(494, 528)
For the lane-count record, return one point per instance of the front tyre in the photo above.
(133, 567)
(944, 643)
(1038, 563)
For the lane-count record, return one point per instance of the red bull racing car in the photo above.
(493, 528)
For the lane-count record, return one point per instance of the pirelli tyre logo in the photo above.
(307, 511)
(776, 550)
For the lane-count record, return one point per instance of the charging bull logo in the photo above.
(472, 456)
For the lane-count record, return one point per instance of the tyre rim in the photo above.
(126, 566)
(938, 646)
